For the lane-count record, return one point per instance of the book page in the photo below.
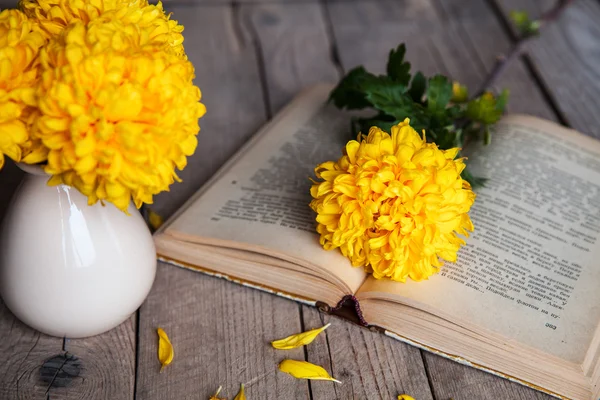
(531, 269)
(260, 201)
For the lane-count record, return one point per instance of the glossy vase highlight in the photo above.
(69, 269)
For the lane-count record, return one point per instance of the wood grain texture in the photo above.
(460, 42)
(294, 47)
(227, 73)
(24, 351)
(482, 36)
(4, 4)
(458, 382)
(220, 331)
(447, 38)
(107, 365)
(370, 365)
(566, 56)
(296, 52)
(221, 334)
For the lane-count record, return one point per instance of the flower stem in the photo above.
(519, 45)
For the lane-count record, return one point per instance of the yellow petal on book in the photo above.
(214, 396)
(165, 349)
(305, 370)
(406, 397)
(241, 395)
(300, 339)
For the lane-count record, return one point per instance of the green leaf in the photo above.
(392, 99)
(454, 112)
(439, 93)
(519, 17)
(398, 69)
(502, 99)
(524, 24)
(484, 109)
(417, 87)
(445, 137)
(349, 93)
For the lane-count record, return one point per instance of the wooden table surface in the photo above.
(251, 58)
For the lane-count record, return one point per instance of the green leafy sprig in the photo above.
(438, 106)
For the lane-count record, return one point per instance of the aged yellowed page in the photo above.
(260, 202)
(531, 270)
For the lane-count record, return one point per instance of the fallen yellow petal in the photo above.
(214, 396)
(154, 219)
(405, 397)
(300, 339)
(241, 395)
(305, 370)
(165, 349)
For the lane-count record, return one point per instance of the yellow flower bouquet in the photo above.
(98, 104)
(393, 204)
(397, 203)
(99, 93)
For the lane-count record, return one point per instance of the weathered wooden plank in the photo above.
(24, 351)
(438, 42)
(462, 45)
(294, 48)
(297, 52)
(482, 36)
(106, 365)
(452, 380)
(370, 365)
(227, 73)
(221, 333)
(4, 4)
(566, 57)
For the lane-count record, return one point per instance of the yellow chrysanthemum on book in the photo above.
(117, 115)
(155, 25)
(393, 204)
(19, 46)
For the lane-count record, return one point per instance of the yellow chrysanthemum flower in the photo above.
(19, 45)
(393, 204)
(156, 26)
(117, 116)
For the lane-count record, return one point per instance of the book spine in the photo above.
(347, 308)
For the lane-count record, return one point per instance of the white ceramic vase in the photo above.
(68, 269)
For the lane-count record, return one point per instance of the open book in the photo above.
(523, 300)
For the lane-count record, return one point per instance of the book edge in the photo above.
(333, 311)
(242, 282)
(338, 310)
(464, 361)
